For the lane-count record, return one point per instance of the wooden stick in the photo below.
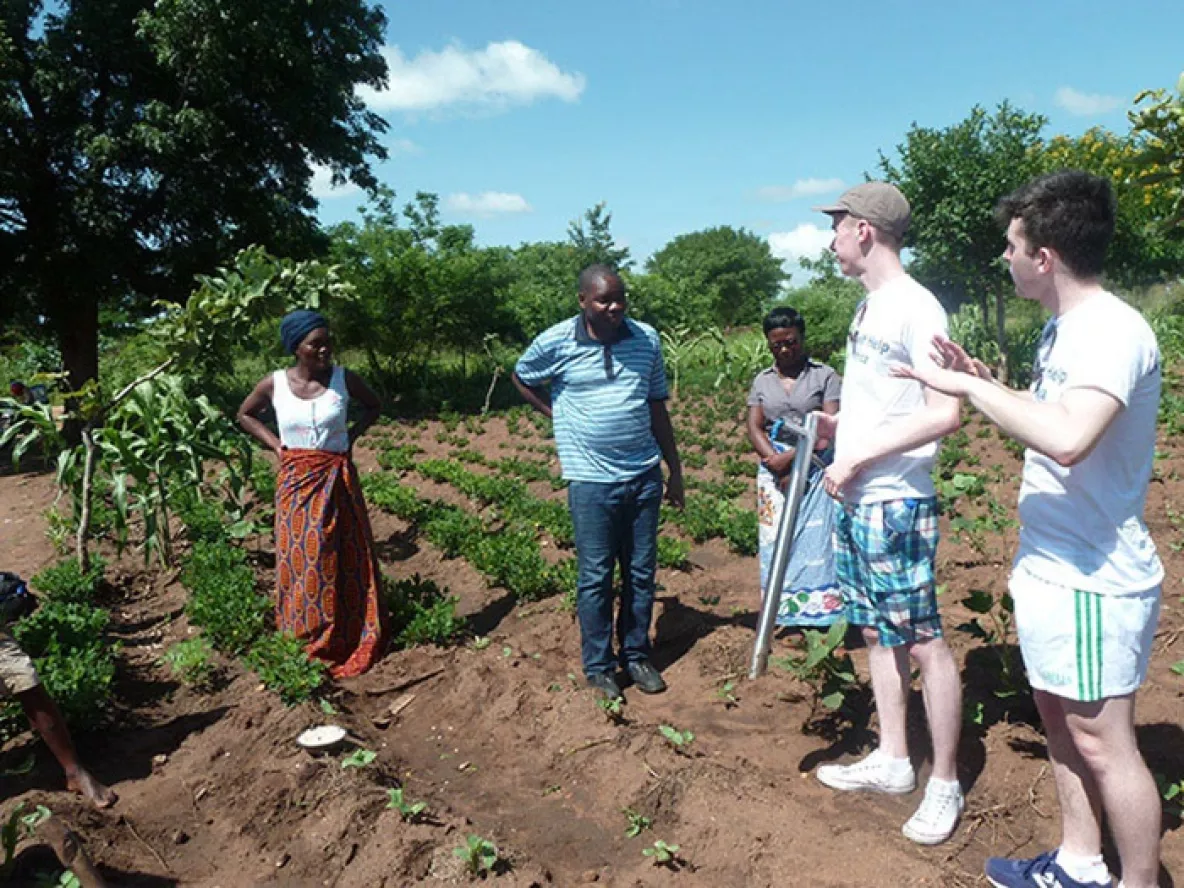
(140, 839)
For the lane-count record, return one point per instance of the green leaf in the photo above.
(833, 700)
(979, 601)
(359, 758)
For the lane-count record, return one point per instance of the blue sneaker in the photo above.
(1039, 872)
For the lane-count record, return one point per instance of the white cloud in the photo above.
(403, 146)
(487, 203)
(800, 188)
(804, 242)
(1087, 104)
(501, 74)
(322, 186)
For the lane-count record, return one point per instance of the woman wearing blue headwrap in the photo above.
(328, 585)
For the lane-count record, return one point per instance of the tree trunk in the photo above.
(1001, 332)
(76, 316)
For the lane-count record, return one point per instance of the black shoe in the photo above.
(645, 677)
(606, 684)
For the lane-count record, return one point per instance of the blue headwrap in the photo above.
(298, 324)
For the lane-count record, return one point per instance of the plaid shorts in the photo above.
(884, 554)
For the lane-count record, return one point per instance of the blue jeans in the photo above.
(615, 522)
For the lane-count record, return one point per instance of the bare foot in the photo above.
(90, 789)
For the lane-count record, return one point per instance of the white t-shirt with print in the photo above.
(894, 325)
(1082, 527)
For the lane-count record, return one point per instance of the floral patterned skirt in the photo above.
(328, 585)
(810, 594)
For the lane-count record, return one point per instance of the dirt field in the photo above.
(501, 740)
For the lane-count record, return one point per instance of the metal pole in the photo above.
(807, 435)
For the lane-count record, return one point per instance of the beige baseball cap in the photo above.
(879, 203)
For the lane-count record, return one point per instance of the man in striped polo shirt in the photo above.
(607, 398)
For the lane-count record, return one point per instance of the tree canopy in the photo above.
(730, 271)
(145, 142)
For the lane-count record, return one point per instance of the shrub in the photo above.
(421, 613)
(66, 581)
(223, 599)
(60, 625)
(284, 667)
(384, 490)
(672, 553)
(189, 661)
(453, 530)
(76, 666)
(80, 682)
(204, 519)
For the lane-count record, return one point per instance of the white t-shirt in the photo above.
(894, 325)
(1082, 527)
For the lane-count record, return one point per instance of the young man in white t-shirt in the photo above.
(886, 520)
(1086, 579)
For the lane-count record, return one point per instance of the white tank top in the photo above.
(312, 424)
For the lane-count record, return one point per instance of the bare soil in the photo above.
(503, 741)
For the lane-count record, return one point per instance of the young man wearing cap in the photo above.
(1087, 579)
(886, 524)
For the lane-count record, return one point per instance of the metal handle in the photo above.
(807, 434)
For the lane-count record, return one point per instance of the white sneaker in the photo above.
(876, 773)
(937, 817)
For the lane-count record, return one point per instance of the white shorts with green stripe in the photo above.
(1082, 645)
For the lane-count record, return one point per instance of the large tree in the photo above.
(1158, 121)
(144, 141)
(1143, 250)
(421, 288)
(732, 270)
(953, 177)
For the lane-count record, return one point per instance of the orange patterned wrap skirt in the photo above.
(328, 585)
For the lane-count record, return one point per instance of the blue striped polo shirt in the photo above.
(600, 397)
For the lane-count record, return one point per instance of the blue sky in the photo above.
(682, 115)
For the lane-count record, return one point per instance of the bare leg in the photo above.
(47, 721)
(942, 691)
(1104, 735)
(68, 848)
(889, 667)
(1077, 793)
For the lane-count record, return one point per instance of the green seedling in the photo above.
(409, 811)
(830, 675)
(638, 823)
(327, 707)
(18, 826)
(25, 767)
(680, 740)
(1178, 668)
(709, 600)
(64, 879)
(726, 694)
(1172, 794)
(613, 709)
(480, 855)
(359, 758)
(996, 632)
(481, 642)
(662, 853)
